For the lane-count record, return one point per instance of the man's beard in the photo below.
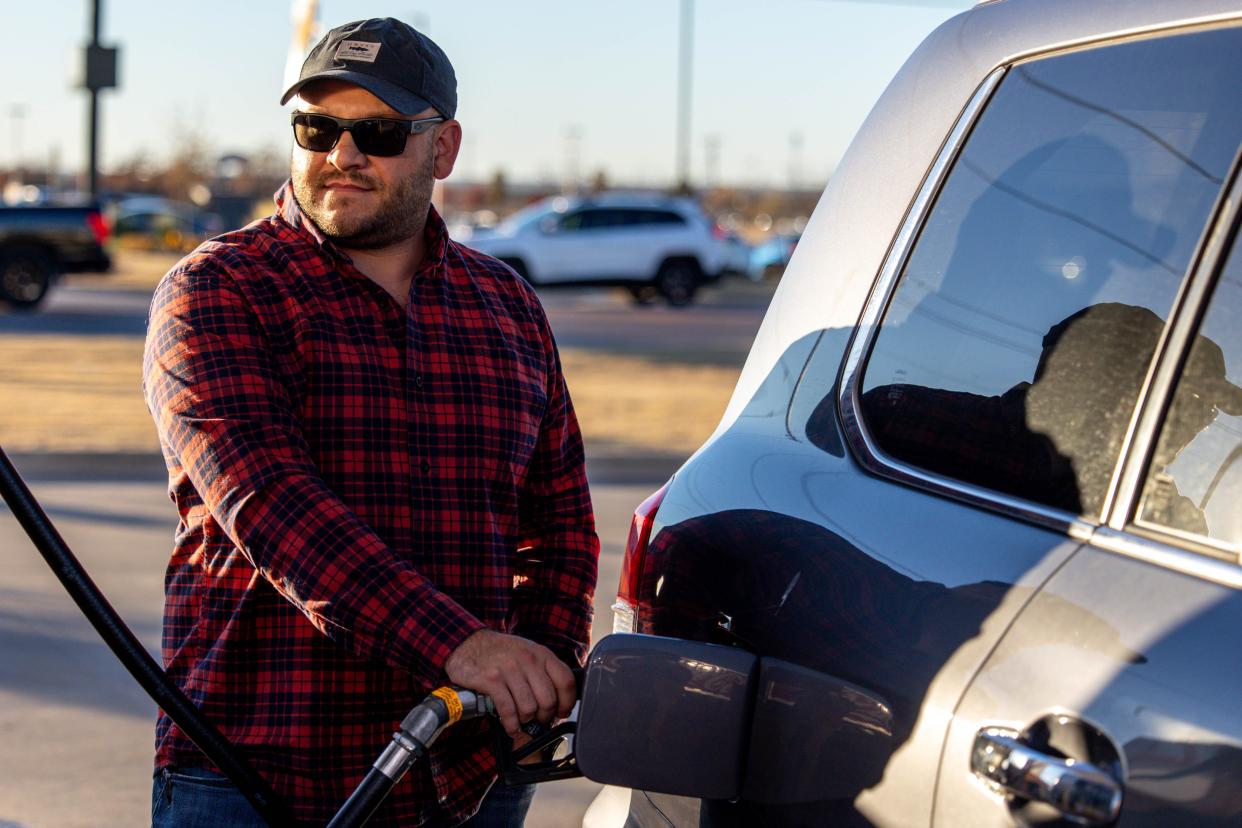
(399, 216)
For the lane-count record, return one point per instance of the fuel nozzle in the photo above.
(444, 706)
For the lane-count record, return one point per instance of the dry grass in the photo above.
(640, 405)
(133, 270)
(66, 393)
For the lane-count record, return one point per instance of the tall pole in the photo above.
(573, 158)
(99, 72)
(92, 150)
(685, 71)
(711, 162)
(795, 160)
(17, 112)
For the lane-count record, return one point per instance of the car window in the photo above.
(598, 219)
(536, 213)
(573, 221)
(657, 217)
(1014, 346)
(1195, 478)
(595, 219)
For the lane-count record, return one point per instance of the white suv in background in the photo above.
(651, 244)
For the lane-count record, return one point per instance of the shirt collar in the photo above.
(435, 232)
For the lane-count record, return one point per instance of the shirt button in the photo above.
(418, 380)
(425, 466)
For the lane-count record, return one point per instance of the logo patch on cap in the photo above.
(360, 50)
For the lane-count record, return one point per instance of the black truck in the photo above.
(39, 243)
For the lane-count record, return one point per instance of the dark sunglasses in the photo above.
(381, 137)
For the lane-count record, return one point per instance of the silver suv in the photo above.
(979, 481)
(653, 245)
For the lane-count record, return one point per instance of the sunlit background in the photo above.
(745, 107)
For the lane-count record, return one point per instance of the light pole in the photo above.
(711, 161)
(573, 158)
(684, 75)
(17, 112)
(100, 73)
(795, 160)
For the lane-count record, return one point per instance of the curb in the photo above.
(90, 466)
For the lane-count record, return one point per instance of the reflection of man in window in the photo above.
(1055, 439)
(1202, 391)
(1050, 234)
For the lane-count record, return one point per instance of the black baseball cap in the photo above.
(402, 67)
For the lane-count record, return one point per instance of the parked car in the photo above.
(737, 254)
(39, 243)
(156, 223)
(769, 259)
(980, 474)
(651, 244)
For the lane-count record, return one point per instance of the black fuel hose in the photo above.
(132, 654)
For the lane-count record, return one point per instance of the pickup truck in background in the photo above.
(39, 243)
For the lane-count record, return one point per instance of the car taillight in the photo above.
(625, 611)
(98, 225)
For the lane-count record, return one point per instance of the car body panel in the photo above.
(622, 254)
(62, 231)
(554, 252)
(1147, 671)
(782, 537)
(913, 616)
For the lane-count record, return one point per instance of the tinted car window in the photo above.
(572, 221)
(1016, 341)
(1195, 479)
(657, 217)
(593, 219)
(598, 219)
(610, 217)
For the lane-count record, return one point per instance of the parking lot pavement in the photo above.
(76, 730)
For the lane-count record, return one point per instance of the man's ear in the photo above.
(447, 145)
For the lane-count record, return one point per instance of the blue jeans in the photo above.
(503, 807)
(195, 798)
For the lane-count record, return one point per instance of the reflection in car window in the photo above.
(1195, 479)
(1015, 344)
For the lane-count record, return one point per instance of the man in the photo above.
(376, 464)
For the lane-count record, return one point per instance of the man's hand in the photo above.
(524, 679)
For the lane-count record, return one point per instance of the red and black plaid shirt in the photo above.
(360, 488)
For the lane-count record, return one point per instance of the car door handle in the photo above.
(1079, 790)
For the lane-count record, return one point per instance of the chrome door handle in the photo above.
(1081, 791)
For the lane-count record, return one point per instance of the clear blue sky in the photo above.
(769, 77)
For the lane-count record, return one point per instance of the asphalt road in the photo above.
(718, 328)
(75, 731)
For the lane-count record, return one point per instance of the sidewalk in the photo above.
(77, 728)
